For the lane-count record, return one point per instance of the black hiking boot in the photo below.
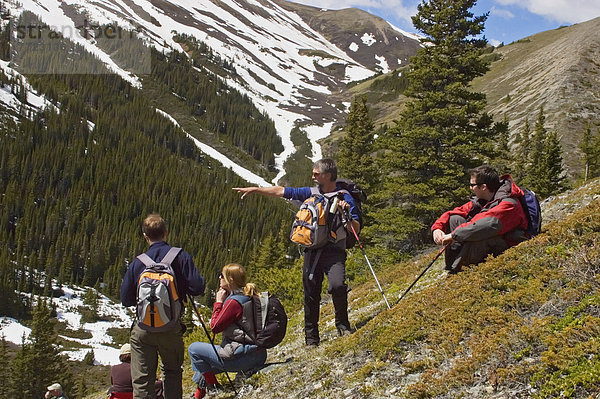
(344, 331)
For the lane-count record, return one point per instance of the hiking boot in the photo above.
(344, 331)
(199, 394)
(312, 344)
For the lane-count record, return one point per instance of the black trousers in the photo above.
(331, 262)
(470, 252)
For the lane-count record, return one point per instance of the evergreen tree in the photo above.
(43, 356)
(590, 147)
(444, 130)
(545, 173)
(4, 369)
(81, 389)
(553, 179)
(21, 372)
(522, 141)
(89, 358)
(355, 155)
(535, 171)
(504, 157)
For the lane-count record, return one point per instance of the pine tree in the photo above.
(21, 372)
(590, 147)
(553, 179)
(444, 130)
(522, 142)
(504, 156)
(355, 155)
(584, 146)
(43, 355)
(4, 369)
(81, 388)
(537, 143)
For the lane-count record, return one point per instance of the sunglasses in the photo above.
(220, 275)
(474, 184)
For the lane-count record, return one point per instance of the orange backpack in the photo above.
(158, 302)
(318, 221)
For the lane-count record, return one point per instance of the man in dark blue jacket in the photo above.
(145, 345)
(329, 260)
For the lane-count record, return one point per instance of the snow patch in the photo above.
(353, 47)
(222, 159)
(382, 62)
(315, 133)
(13, 331)
(368, 39)
(67, 310)
(354, 73)
(405, 33)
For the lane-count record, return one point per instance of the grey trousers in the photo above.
(145, 348)
(470, 252)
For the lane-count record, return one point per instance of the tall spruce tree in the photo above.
(590, 147)
(4, 369)
(522, 142)
(355, 155)
(20, 372)
(553, 177)
(444, 130)
(43, 356)
(544, 174)
(535, 171)
(504, 157)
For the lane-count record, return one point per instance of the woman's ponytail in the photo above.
(251, 290)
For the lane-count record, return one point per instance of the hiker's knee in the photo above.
(337, 288)
(454, 222)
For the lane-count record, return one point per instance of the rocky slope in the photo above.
(558, 70)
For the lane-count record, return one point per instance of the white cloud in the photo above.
(494, 42)
(567, 11)
(501, 12)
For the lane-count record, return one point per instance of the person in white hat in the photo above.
(55, 391)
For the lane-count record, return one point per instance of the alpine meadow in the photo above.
(113, 110)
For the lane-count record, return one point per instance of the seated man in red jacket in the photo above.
(488, 224)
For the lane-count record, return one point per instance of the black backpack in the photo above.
(359, 196)
(269, 319)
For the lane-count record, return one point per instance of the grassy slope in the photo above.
(525, 324)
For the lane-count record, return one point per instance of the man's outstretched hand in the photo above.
(245, 190)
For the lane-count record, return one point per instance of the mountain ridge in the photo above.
(558, 70)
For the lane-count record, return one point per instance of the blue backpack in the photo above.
(531, 206)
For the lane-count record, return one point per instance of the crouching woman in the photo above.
(237, 351)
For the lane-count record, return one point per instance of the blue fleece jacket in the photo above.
(302, 193)
(189, 282)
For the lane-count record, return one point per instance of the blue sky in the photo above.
(509, 20)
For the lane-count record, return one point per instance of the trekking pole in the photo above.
(212, 343)
(422, 273)
(368, 262)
